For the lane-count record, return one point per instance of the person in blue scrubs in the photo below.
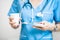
(46, 13)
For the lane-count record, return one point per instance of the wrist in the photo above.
(58, 27)
(55, 28)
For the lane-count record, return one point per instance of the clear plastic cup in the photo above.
(16, 18)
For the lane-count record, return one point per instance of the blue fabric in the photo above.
(50, 11)
(15, 8)
(57, 11)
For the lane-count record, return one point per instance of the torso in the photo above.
(27, 29)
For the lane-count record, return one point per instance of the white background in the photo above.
(6, 31)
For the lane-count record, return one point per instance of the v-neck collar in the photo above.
(38, 5)
(41, 7)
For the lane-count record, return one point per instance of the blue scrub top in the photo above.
(49, 9)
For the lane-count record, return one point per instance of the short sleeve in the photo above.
(15, 7)
(57, 11)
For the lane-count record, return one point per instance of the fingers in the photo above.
(12, 23)
(40, 28)
(10, 19)
(15, 26)
(37, 27)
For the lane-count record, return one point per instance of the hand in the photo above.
(44, 25)
(12, 23)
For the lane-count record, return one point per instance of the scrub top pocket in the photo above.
(47, 16)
